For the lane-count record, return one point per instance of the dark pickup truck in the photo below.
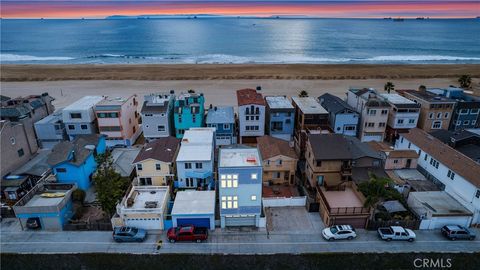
(187, 233)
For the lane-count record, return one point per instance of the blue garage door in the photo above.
(199, 222)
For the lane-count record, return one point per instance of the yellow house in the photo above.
(155, 164)
(279, 161)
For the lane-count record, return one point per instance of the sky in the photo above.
(311, 8)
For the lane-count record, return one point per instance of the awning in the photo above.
(197, 174)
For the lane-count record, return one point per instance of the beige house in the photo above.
(155, 164)
(279, 161)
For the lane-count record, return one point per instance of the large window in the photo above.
(158, 167)
(108, 115)
(198, 165)
(451, 174)
(20, 152)
(254, 176)
(145, 181)
(229, 202)
(436, 124)
(161, 128)
(61, 170)
(188, 165)
(112, 128)
(75, 115)
(229, 180)
(139, 167)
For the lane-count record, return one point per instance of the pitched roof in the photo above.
(339, 147)
(249, 96)
(270, 147)
(403, 154)
(162, 149)
(75, 152)
(334, 104)
(453, 159)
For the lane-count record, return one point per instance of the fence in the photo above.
(410, 224)
(283, 201)
(88, 226)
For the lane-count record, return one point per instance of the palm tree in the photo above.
(303, 93)
(465, 81)
(375, 190)
(389, 86)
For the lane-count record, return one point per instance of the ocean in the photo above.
(239, 40)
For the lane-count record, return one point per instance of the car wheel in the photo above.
(118, 240)
(472, 238)
(331, 239)
(199, 241)
(172, 240)
(410, 239)
(388, 239)
(453, 238)
(350, 238)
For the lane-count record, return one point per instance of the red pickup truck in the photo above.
(187, 233)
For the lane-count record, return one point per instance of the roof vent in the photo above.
(251, 159)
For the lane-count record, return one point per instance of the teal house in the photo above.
(74, 162)
(188, 112)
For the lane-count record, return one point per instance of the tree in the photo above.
(109, 185)
(375, 190)
(465, 81)
(389, 86)
(303, 93)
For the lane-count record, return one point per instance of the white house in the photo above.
(455, 173)
(79, 117)
(251, 115)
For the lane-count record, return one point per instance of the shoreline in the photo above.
(173, 72)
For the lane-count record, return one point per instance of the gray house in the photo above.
(79, 117)
(223, 120)
(342, 117)
(157, 116)
(50, 130)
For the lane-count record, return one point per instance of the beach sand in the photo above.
(217, 92)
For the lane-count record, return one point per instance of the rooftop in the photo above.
(239, 157)
(220, 115)
(123, 160)
(162, 149)
(194, 202)
(342, 199)
(270, 147)
(453, 159)
(427, 96)
(398, 99)
(278, 102)
(145, 197)
(334, 104)
(84, 103)
(109, 101)
(52, 118)
(437, 202)
(197, 144)
(81, 147)
(361, 90)
(37, 166)
(339, 147)
(309, 105)
(249, 96)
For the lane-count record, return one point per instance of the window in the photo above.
(458, 123)
(179, 119)
(451, 174)
(194, 118)
(279, 162)
(247, 111)
(384, 112)
(401, 140)
(226, 126)
(464, 111)
(139, 167)
(229, 180)
(84, 127)
(20, 152)
(161, 128)
(474, 122)
(112, 128)
(254, 176)
(257, 111)
(409, 145)
(430, 115)
(466, 122)
(439, 115)
(395, 161)
(276, 175)
(75, 115)
(425, 157)
(145, 181)
(400, 121)
(188, 165)
(12, 140)
(473, 111)
(411, 121)
(477, 194)
(198, 165)
(257, 117)
(434, 163)
(71, 127)
(229, 202)
(372, 112)
(436, 124)
(319, 163)
(61, 170)
(382, 124)
(253, 197)
(446, 115)
(158, 167)
(370, 124)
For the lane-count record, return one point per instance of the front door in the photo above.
(409, 163)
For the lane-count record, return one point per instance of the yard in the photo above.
(292, 220)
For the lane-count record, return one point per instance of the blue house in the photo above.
(466, 113)
(280, 117)
(343, 119)
(188, 112)
(240, 186)
(223, 120)
(74, 162)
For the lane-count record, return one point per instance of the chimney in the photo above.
(259, 88)
(172, 92)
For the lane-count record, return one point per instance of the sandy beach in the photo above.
(234, 72)
(218, 92)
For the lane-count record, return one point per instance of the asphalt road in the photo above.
(225, 243)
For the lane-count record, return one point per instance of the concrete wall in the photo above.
(283, 201)
(13, 139)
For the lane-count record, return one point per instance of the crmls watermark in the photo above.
(427, 263)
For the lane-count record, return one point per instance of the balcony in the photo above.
(346, 170)
(342, 203)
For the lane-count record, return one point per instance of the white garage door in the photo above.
(439, 222)
(223, 140)
(240, 221)
(145, 223)
(371, 138)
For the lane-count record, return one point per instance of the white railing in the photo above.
(284, 201)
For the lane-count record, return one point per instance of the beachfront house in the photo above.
(240, 186)
(157, 115)
(188, 112)
(373, 113)
(280, 117)
(74, 161)
(465, 142)
(435, 111)
(402, 117)
(279, 161)
(342, 117)
(195, 159)
(118, 120)
(453, 172)
(79, 117)
(223, 120)
(51, 130)
(155, 164)
(251, 115)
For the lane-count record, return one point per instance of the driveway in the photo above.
(292, 220)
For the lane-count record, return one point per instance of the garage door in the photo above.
(145, 223)
(358, 223)
(370, 138)
(198, 222)
(240, 221)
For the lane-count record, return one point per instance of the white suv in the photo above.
(339, 232)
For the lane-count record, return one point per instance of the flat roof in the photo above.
(220, 115)
(309, 105)
(84, 103)
(338, 199)
(194, 202)
(437, 202)
(239, 157)
(37, 200)
(148, 194)
(278, 102)
(197, 144)
(396, 99)
(198, 135)
(119, 100)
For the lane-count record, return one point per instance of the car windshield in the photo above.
(134, 230)
(334, 230)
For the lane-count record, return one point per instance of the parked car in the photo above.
(339, 232)
(396, 233)
(454, 232)
(129, 234)
(187, 233)
(33, 223)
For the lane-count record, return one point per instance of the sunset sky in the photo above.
(336, 9)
